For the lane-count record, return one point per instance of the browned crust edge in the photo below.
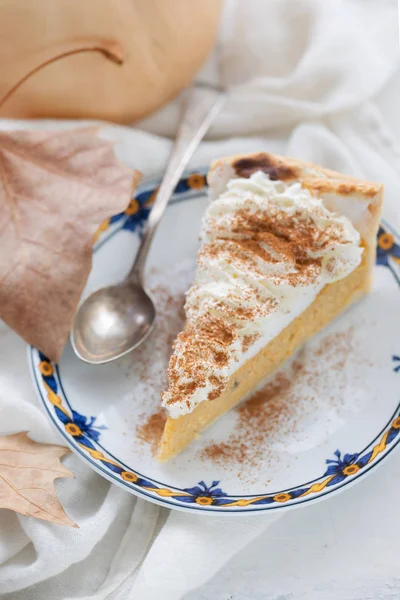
(313, 177)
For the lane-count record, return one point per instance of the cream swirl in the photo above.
(268, 248)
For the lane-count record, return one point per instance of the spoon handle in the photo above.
(201, 107)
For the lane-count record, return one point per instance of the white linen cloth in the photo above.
(317, 80)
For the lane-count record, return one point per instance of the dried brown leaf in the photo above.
(27, 473)
(55, 190)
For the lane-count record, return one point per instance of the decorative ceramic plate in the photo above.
(322, 423)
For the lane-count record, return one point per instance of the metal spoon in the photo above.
(116, 319)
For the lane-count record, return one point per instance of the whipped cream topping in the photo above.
(268, 249)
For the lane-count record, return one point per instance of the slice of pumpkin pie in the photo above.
(286, 247)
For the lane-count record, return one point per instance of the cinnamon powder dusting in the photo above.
(277, 237)
(200, 346)
(273, 415)
(151, 430)
(257, 418)
(250, 242)
(249, 340)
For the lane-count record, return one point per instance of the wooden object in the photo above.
(160, 44)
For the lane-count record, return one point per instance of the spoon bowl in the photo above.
(112, 322)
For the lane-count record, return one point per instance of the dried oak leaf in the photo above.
(27, 473)
(55, 191)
